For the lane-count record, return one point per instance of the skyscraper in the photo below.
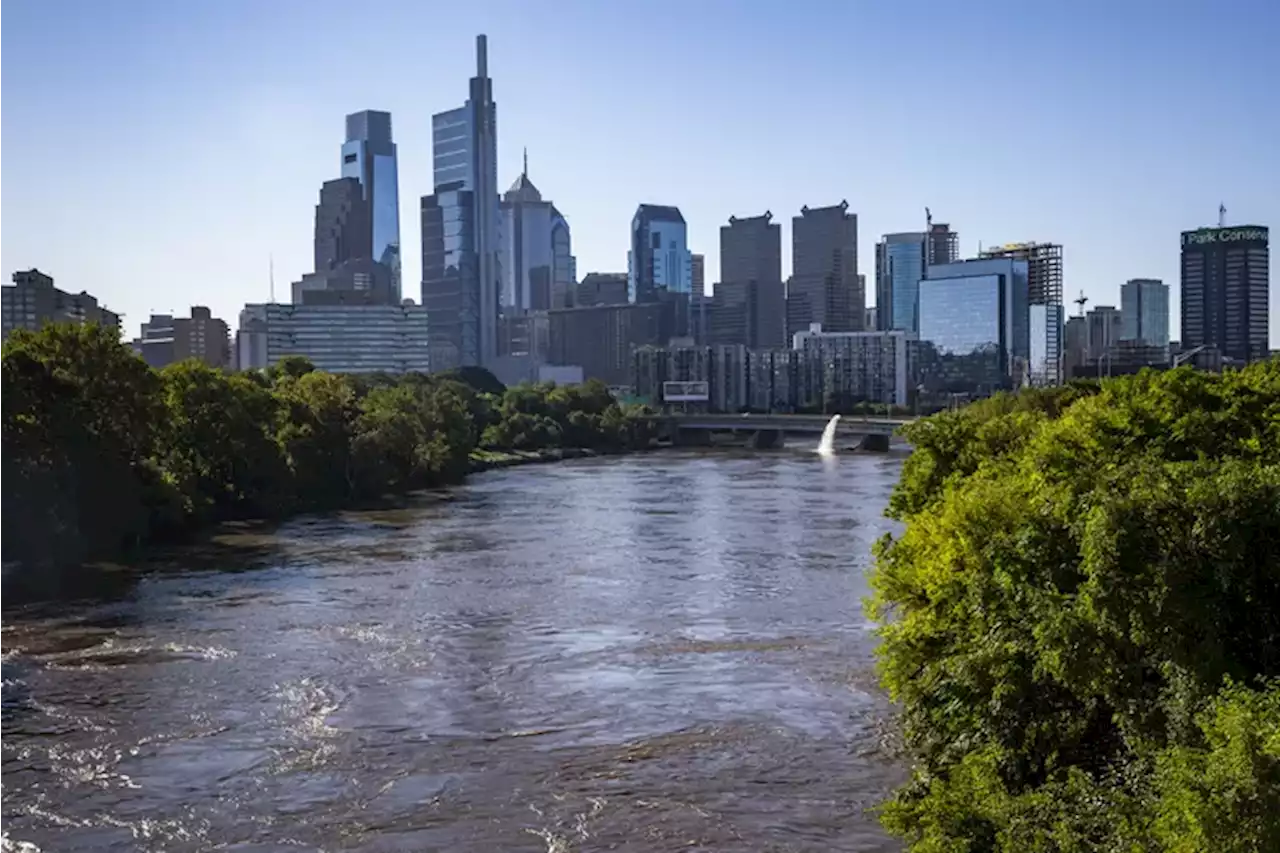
(1225, 277)
(699, 275)
(659, 260)
(1144, 312)
(369, 156)
(824, 271)
(461, 275)
(750, 300)
(974, 326)
(1044, 269)
(1044, 287)
(903, 259)
(535, 251)
(343, 231)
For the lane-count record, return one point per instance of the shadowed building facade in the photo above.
(824, 286)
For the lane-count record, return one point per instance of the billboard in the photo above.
(685, 392)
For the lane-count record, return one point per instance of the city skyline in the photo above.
(1111, 232)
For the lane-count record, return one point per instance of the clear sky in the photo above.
(158, 152)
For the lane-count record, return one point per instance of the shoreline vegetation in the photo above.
(1080, 621)
(103, 455)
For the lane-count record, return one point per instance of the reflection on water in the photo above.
(648, 653)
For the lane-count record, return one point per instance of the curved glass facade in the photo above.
(369, 155)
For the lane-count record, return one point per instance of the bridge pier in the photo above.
(765, 439)
(875, 441)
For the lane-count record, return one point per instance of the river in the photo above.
(647, 653)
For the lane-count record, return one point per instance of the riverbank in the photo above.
(489, 460)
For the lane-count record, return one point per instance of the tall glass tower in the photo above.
(461, 276)
(369, 156)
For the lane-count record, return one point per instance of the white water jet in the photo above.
(826, 446)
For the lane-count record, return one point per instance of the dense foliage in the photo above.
(1081, 619)
(102, 452)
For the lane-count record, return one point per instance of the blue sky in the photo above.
(157, 153)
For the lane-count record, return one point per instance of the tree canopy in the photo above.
(1081, 618)
(100, 452)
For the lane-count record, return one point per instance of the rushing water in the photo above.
(648, 653)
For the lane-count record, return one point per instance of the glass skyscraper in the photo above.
(461, 275)
(901, 261)
(974, 327)
(369, 156)
(659, 260)
(535, 251)
(1144, 312)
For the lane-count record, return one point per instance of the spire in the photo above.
(526, 163)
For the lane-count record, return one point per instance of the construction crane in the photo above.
(1080, 302)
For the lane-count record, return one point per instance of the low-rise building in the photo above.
(335, 338)
(166, 339)
(32, 301)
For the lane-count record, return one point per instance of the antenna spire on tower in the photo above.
(271, 276)
(1222, 215)
(526, 161)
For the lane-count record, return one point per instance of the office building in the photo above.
(974, 327)
(335, 338)
(750, 303)
(368, 156)
(839, 369)
(659, 260)
(600, 338)
(32, 300)
(1044, 269)
(902, 260)
(343, 231)
(461, 277)
(360, 281)
(699, 268)
(166, 339)
(1225, 281)
(1075, 349)
(1104, 328)
(872, 321)
(602, 288)
(1044, 345)
(1144, 312)
(823, 287)
(535, 256)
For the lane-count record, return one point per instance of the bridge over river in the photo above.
(769, 430)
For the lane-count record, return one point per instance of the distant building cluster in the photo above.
(500, 289)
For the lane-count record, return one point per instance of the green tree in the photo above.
(1081, 572)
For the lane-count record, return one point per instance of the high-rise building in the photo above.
(369, 156)
(974, 326)
(1105, 330)
(602, 288)
(343, 230)
(534, 251)
(1144, 312)
(659, 260)
(1075, 348)
(461, 275)
(699, 275)
(1045, 330)
(750, 300)
(166, 339)
(824, 287)
(903, 259)
(32, 300)
(1044, 287)
(600, 338)
(1044, 269)
(1225, 281)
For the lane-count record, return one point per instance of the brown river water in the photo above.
(647, 653)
